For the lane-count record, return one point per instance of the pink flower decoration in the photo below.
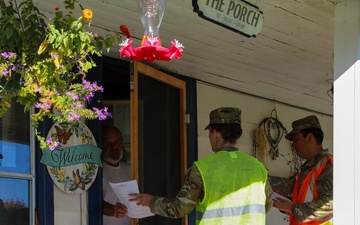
(151, 50)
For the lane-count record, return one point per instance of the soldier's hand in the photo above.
(141, 199)
(283, 205)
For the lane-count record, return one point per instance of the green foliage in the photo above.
(43, 62)
(24, 28)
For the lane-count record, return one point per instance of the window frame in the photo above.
(29, 177)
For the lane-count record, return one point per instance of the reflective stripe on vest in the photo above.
(311, 193)
(307, 191)
(233, 211)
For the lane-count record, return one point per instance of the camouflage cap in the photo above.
(301, 124)
(224, 115)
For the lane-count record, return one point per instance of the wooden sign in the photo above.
(74, 164)
(236, 15)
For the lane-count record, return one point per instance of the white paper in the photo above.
(276, 196)
(122, 190)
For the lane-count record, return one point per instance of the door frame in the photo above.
(136, 68)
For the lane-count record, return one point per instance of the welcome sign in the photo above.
(72, 155)
(236, 15)
(72, 166)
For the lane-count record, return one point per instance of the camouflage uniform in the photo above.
(321, 208)
(191, 191)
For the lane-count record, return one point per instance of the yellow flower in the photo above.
(87, 14)
(61, 175)
(84, 139)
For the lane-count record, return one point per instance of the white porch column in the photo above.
(347, 112)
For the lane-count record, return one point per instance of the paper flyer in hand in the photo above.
(275, 196)
(122, 190)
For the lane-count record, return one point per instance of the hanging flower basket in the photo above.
(44, 62)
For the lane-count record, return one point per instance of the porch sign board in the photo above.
(74, 164)
(236, 15)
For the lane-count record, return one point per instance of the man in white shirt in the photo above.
(114, 170)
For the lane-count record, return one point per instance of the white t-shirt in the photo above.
(113, 174)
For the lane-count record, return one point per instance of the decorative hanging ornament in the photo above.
(273, 130)
(151, 13)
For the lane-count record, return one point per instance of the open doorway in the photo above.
(151, 115)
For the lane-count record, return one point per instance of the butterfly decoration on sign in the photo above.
(78, 180)
(62, 135)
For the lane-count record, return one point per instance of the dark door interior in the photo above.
(159, 159)
(159, 154)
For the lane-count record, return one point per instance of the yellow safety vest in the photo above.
(234, 189)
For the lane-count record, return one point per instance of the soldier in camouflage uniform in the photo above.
(224, 130)
(312, 199)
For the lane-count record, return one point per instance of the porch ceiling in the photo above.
(289, 61)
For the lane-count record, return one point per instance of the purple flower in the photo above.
(102, 113)
(90, 96)
(75, 97)
(7, 55)
(44, 105)
(47, 105)
(49, 141)
(73, 116)
(38, 105)
(87, 85)
(54, 146)
(5, 73)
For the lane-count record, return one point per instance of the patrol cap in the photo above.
(224, 115)
(301, 124)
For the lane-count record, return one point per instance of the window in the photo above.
(16, 168)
